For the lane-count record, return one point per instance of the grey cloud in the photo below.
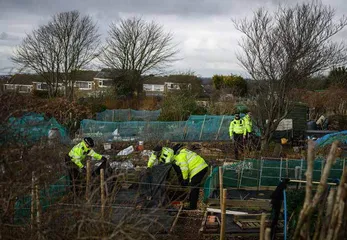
(174, 15)
(178, 7)
(8, 37)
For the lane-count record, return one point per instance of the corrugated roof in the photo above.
(28, 79)
(171, 78)
(25, 79)
(85, 75)
(109, 73)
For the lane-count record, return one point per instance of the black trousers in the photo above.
(238, 144)
(74, 175)
(194, 191)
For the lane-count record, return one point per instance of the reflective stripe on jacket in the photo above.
(190, 163)
(248, 123)
(79, 152)
(166, 156)
(237, 126)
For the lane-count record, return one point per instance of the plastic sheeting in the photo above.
(330, 138)
(31, 128)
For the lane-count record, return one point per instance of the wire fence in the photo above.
(267, 172)
(197, 127)
(116, 115)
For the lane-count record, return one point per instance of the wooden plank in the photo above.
(176, 218)
(203, 222)
(215, 210)
(239, 224)
(262, 204)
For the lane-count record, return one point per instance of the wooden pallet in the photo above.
(255, 224)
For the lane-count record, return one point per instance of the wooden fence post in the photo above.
(88, 180)
(262, 226)
(32, 209)
(221, 186)
(223, 222)
(102, 188)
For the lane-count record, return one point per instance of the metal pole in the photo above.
(185, 133)
(220, 126)
(301, 166)
(202, 127)
(287, 168)
(258, 174)
(243, 166)
(261, 171)
(280, 170)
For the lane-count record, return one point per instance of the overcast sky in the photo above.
(203, 29)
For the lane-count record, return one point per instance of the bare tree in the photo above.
(138, 47)
(59, 49)
(284, 48)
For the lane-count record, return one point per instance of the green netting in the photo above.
(197, 127)
(120, 115)
(267, 172)
(47, 197)
(30, 128)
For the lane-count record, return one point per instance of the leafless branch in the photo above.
(283, 49)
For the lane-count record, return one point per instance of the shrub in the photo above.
(178, 106)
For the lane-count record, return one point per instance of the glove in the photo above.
(185, 182)
(83, 170)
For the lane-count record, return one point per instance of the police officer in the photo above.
(248, 124)
(193, 168)
(75, 159)
(237, 132)
(160, 155)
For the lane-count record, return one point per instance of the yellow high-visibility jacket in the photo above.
(79, 152)
(248, 123)
(237, 126)
(190, 163)
(166, 156)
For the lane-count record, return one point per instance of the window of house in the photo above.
(101, 83)
(84, 85)
(147, 87)
(9, 87)
(158, 88)
(42, 86)
(24, 89)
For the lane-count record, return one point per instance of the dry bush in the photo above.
(333, 101)
(66, 112)
(143, 103)
(70, 216)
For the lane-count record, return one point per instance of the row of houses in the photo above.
(87, 83)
